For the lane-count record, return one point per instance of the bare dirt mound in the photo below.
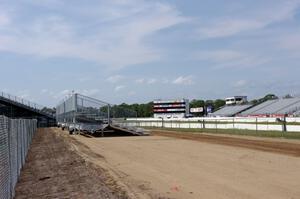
(275, 146)
(54, 170)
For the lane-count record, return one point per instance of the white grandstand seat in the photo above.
(254, 109)
(229, 111)
(290, 109)
(279, 106)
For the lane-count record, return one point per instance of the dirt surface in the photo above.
(54, 169)
(167, 167)
(159, 167)
(263, 144)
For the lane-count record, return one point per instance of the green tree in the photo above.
(218, 103)
(197, 103)
(269, 97)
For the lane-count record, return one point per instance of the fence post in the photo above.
(284, 129)
(216, 122)
(9, 130)
(233, 125)
(256, 123)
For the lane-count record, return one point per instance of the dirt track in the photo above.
(167, 167)
(159, 167)
(263, 144)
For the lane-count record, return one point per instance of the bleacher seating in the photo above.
(258, 107)
(228, 111)
(275, 107)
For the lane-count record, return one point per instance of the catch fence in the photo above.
(15, 138)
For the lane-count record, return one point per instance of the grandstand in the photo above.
(230, 111)
(93, 116)
(16, 107)
(277, 107)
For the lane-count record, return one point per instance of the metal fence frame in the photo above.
(80, 109)
(15, 138)
(26, 103)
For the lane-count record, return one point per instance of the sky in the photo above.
(135, 51)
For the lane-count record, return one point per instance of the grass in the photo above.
(271, 134)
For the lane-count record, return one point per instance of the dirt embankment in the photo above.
(53, 169)
(268, 145)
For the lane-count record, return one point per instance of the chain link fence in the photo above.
(15, 139)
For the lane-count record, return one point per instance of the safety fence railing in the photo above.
(26, 103)
(15, 138)
(220, 124)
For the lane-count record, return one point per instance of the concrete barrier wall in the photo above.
(247, 123)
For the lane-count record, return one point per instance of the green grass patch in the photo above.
(271, 134)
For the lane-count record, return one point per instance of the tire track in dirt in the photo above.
(291, 149)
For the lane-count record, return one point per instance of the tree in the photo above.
(269, 97)
(255, 101)
(218, 103)
(49, 110)
(265, 98)
(133, 110)
(209, 103)
(197, 103)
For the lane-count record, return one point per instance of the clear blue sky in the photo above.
(138, 50)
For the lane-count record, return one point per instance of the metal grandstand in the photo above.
(16, 107)
(93, 116)
(230, 111)
(25, 104)
(283, 106)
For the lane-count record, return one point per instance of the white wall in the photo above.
(249, 123)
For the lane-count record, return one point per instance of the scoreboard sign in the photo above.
(171, 108)
(197, 110)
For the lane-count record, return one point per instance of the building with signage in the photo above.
(171, 108)
(236, 100)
